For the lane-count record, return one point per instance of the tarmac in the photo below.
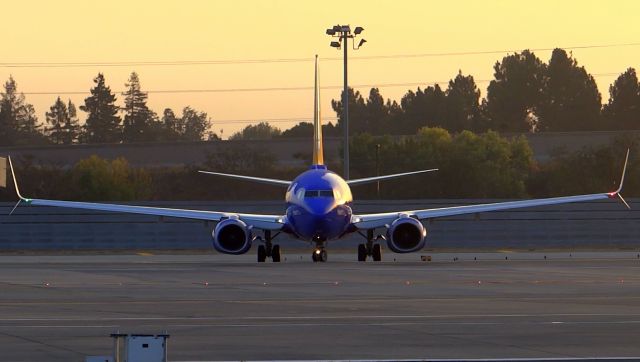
(503, 305)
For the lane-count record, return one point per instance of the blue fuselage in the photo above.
(318, 205)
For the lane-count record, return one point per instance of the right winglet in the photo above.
(616, 193)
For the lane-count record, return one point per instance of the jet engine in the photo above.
(232, 236)
(406, 235)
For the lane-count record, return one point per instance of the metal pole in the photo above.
(345, 102)
(378, 169)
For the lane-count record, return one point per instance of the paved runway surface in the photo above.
(62, 308)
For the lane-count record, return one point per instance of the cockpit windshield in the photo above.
(318, 193)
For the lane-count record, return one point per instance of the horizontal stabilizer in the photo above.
(360, 181)
(269, 181)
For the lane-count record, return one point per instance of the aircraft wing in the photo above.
(370, 221)
(265, 222)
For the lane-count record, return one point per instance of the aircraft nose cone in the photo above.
(319, 208)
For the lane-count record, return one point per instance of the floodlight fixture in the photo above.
(343, 32)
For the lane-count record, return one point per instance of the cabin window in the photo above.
(318, 193)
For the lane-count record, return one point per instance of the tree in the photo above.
(18, 120)
(471, 165)
(514, 97)
(421, 109)
(240, 160)
(139, 120)
(357, 111)
(103, 123)
(462, 104)
(172, 126)
(260, 131)
(623, 109)
(377, 113)
(370, 115)
(571, 100)
(300, 130)
(305, 130)
(194, 125)
(98, 179)
(64, 128)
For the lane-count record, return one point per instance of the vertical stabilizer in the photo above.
(318, 153)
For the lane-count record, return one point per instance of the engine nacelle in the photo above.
(406, 235)
(232, 236)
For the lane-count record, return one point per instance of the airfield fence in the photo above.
(603, 224)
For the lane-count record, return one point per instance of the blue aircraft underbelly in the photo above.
(319, 226)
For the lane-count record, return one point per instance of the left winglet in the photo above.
(616, 193)
(15, 183)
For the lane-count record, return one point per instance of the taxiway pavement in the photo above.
(215, 307)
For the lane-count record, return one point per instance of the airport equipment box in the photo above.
(140, 347)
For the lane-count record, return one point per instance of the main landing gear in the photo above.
(268, 250)
(370, 249)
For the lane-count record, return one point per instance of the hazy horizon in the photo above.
(75, 31)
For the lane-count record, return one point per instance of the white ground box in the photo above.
(140, 347)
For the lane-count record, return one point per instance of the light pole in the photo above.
(378, 169)
(343, 33)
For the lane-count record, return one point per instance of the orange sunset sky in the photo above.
(157, 31)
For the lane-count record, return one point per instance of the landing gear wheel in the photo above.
(377, 253)
(262, 254)
(319, 255)
(275, 254)
(362, 252)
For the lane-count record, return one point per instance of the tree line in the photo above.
(526, 95)
(471, 165)
(105, 121)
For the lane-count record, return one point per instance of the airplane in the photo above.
(318, 210)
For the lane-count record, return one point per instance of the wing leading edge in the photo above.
(369, 221)
(266, 222)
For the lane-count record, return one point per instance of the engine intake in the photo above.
(232, 236)
(406, 235)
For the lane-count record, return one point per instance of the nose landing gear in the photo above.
(319, 255)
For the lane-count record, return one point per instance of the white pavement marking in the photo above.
(455, 359)
(297, 325)
(328, 317)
